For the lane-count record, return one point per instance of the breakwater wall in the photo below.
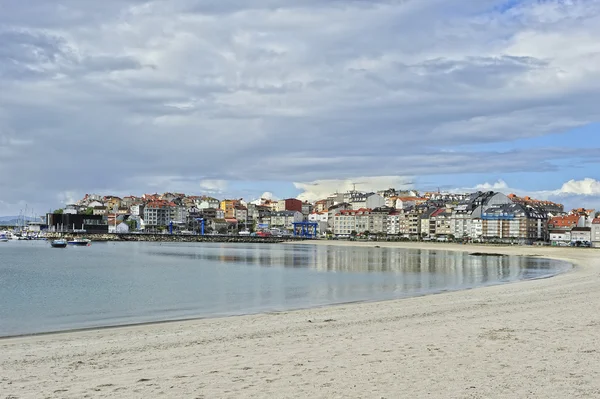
(171, 238)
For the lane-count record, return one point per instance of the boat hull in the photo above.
(79, 243)
(58, 244)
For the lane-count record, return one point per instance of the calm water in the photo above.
(49, 289)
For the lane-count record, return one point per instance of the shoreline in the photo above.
(382, 347)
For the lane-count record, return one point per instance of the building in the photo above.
(396, 223)
(595, 233)
(130, 200)
(158, 213)
(428, 221)
(378, 219)
(241, 214)
(307, 209)
(581, 235)
(285, 219)
(99, 211)
(413, 222)
(137, 210)
(76, 223)
(351, 220)
(322, 205)
(317, 217)
(332, 210)
(514, 222)
(559, 237)
(258, 212)
(470, 209)
(228, 206)
(548, 207)
(375, 201)
(321, 218)
(207, 202)
(566, 223)
(356, 199)
(112, 202)
(290, 204)
(179, 214)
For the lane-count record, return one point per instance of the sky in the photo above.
(297, 98)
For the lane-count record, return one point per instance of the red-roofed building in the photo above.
(158, 213)
(549, 207)
(290, 204)
(566, 223)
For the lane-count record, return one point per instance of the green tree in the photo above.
(353, 233)
(89, 212)
(58, 211)
(131, 224)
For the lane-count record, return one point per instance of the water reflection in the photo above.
(48, 290)
(461, 266)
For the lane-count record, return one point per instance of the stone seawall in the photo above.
(170, 238)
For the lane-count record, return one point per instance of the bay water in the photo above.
(44, 289)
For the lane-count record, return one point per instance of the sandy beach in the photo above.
(532, 339)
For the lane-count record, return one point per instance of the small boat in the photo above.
(59, 243)
(80, 242)
(3, 238)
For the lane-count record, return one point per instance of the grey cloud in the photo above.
(106, 64)
(132, 91)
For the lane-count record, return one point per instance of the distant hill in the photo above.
(14, 220)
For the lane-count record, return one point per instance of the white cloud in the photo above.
(588, 187)
(214, 186)
(500, 185)
(68, 197)
(320, 189)
(266, 195)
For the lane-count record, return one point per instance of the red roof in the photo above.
(564, 221)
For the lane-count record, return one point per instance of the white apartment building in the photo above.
(595, 233)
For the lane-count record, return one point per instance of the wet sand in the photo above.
(532, 339)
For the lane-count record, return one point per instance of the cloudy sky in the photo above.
(297, 97)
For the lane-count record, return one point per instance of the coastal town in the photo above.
(479, 217)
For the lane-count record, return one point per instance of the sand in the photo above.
(533, 339)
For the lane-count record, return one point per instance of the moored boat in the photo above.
(58, 243)
(80, 242)
(3, 238)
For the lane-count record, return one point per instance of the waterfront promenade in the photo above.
(532, 339)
